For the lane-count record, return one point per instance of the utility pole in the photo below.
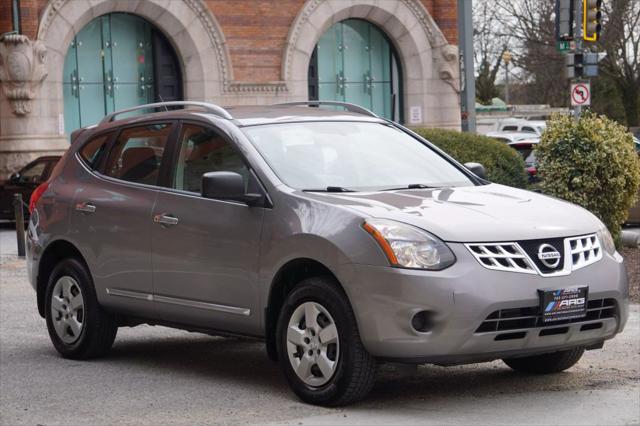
(578, 32)
(506, 58)
(467, 78)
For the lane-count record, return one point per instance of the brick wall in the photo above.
(5, 17)
(255, 30)
(445, 12)
(29, 16)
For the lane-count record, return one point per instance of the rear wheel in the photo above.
(546, 363)
(319, 347)
(78, 327)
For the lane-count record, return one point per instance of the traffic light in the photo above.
(564, 19)
(591, 19)
(574, 63)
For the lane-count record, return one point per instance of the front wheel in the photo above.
(319, 347)
(546, 363)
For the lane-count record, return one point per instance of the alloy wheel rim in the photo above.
(313, 344)
(67, 309)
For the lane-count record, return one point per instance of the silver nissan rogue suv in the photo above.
(340, 238)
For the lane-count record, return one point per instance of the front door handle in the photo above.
(85, 208)
(165, 219)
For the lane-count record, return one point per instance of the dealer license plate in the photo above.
(563, 304)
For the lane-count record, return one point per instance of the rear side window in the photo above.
(33, 172)
(509, 128)
(528, 129)
(93, 149)
(137, 153)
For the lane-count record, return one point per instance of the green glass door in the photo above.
(132, 64)
(109, 66)
(355, 63)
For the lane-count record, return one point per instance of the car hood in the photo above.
(473, 214)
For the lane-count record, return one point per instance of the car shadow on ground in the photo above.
(227, 359)
(245, 361)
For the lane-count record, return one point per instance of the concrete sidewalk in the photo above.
(8, 241)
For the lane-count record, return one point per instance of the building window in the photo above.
(355, 62)
(117, 61)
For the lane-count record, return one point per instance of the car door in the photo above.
(205, 251)
(111, 220)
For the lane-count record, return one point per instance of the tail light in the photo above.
(35, 195)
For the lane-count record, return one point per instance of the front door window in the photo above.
(202, 150)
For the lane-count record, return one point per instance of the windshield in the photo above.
(351, 155)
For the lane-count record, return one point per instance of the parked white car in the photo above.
(510, 137)
(520, 125)
(493, 124)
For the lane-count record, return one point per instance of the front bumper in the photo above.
(460, 298)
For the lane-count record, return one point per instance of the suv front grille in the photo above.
(522, 318)
(527, 256)
(502, 257)
(584, 251)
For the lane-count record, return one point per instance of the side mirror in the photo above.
(477, 169)
(227, 186)
(14, 178)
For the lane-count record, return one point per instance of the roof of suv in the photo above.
(248, 115)
(240, 115)
(255, 115)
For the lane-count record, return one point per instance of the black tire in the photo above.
(99, 327)
(354, 373)
(546, 363)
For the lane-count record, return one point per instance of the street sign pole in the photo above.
(577, 110)
(467, 79)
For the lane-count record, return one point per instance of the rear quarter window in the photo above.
(92, 150)
(137, 153)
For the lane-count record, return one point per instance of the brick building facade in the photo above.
(226, 52)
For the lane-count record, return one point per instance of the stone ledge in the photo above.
(32, 143)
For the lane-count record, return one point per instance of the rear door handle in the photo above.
(85, 208)
(165, 219)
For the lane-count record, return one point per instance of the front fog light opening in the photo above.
(423, 322)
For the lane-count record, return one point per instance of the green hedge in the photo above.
(590, 162)
(503, 164)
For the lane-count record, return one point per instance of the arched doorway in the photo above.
(355, 62)
(117, 61)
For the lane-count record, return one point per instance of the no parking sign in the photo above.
(580, 94)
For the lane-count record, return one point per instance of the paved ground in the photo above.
(157, 375)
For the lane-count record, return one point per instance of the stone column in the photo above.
(30, 123)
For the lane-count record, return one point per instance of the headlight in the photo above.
(606, 240)
(408, 246)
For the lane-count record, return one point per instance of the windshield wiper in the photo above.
(330, 189)
(411, 186)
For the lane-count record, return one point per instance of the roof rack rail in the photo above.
(349, 107)
(212, 108)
